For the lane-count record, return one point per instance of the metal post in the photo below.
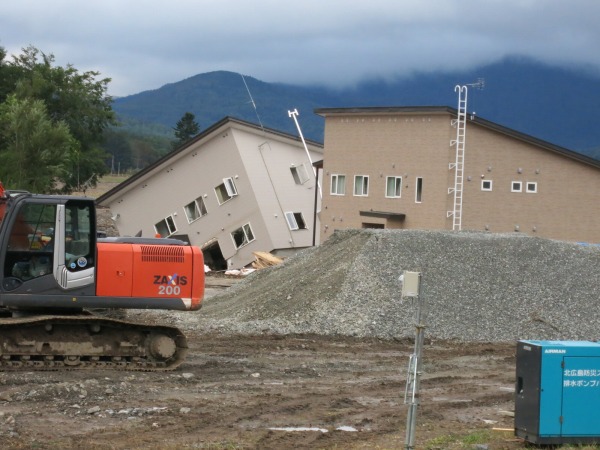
(413, 378)
(293, 114)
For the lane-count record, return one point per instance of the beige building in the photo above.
(397, 168)
(234, 189)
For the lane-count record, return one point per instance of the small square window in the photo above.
(195, 210)
(532, 187)
(299, 173)
(295, 221)
(516, 186)
(242, 236)
(338, 184)
(166, 227)
(361, 185)
(226, 190)
(486, 185)
(393, 187)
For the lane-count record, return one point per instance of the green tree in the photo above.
(186, 129)
(35, 151)
(9, 75)
(76, 99)
(117, 145)
(142, 153)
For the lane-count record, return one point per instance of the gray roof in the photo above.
(221, 123)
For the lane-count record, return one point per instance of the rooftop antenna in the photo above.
(253, 104)
(260, 147)
(479, 85)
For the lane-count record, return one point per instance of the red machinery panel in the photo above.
(151, 271)
(114, 271)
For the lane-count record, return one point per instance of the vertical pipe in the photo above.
(317, 187)
(415, 367)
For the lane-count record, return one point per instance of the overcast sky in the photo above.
(143, 45)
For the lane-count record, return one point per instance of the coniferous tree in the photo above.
(186, 129)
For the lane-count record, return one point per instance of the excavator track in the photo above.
(88, 342)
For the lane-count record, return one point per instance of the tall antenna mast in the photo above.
(253, 104)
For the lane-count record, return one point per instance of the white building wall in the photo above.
(229, 152)
(268, 164)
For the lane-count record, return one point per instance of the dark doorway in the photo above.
(213, 257)
(373, 225)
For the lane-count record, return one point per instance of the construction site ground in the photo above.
(270, 392)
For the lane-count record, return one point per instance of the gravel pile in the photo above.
(476, 287)
(105, 223)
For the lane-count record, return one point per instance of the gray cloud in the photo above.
(144, 44)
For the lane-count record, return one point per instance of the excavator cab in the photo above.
(48, 245)
(50, 258)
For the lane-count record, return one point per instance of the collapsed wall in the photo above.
(476, 287)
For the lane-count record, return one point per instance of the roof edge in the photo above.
(214, 127)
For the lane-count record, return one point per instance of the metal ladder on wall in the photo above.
(458, 166)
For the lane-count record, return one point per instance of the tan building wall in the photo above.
(566, 204)
(415, 143)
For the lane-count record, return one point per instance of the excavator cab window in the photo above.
(30, 251)
(79, 236)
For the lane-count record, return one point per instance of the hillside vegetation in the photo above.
(549, 103)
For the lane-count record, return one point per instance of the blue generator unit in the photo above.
(557, 392)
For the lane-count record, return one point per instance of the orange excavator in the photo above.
(54, 270)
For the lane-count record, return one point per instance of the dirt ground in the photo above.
(269, 392)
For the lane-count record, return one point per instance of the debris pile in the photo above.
(477, 287)
(264, 260)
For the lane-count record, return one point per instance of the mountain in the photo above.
(212, 96)
(559, 105)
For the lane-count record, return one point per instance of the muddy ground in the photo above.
(258, 392)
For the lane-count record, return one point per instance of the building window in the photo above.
(295, 221)
(166, 227)
(338, 184)
(226, 190)
(393, 187)
(419, 190)
(195, 210)
(242, 236)
(531, 187)
(486, 185)
(361, 185)
(299, 173)
(516, 186)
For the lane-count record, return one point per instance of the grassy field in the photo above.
(105, 184)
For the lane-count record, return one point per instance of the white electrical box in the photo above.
(410, 285)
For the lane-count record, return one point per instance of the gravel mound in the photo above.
(476, 287)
